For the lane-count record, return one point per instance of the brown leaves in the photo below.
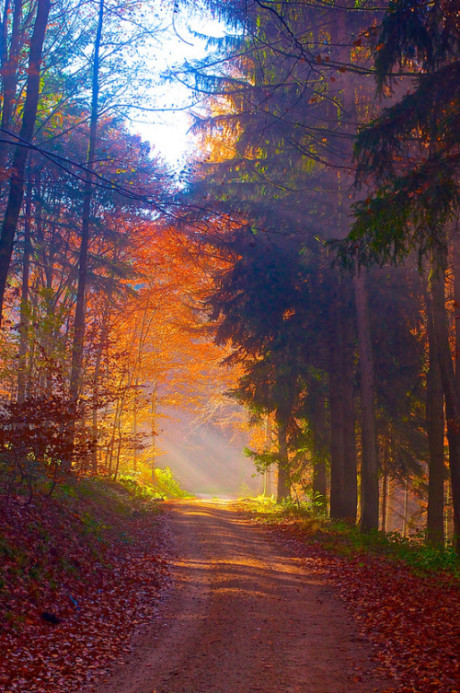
(97, 575)
(412, 621)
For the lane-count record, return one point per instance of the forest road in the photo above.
(243, 614)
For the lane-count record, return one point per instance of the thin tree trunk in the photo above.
(406, 507)
(284, 483)
(384, 497)
(117, 465)
(109, 457)
(267, 448)
(336, 408)
(319, 426)
(79, 325)
(9, 74)
(16, 191)
(97, 370)
(95, 405)
(136, 386)
(24, 315)
(350, 482)
(435, 432)
(153, 420)
(369, 465)
(79, 322)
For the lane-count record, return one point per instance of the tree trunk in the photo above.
(79, 324)
(384, 498)
(450, 393)
(369, 465)
(153, 421)
(350, 482)
(16, 191)
(320, 435)
(435, 432)
(80, 307)
(284, 484)
(9, 74)
(24, 315)
(343, 498)
(135, 427)
(336, 408)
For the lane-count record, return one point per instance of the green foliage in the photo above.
(307, 514)
(409, 154)
(415, 551)
(262, 460)
(162, 485)
(167, 486)
(340, 538)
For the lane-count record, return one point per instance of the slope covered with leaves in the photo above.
(79, 573)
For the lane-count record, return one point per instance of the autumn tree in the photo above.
(29, 114)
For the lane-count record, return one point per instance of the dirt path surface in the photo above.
(244, 615)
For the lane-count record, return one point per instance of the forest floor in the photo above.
(205, 597)
(79, 572)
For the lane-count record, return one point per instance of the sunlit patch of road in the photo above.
(244, 614)
(209, 498)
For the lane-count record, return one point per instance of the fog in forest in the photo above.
(205, 460)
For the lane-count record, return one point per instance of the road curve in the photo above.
(243, 615)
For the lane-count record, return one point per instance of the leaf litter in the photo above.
(76, 583)
(413, 621)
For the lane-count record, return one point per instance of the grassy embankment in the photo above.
(344, 540)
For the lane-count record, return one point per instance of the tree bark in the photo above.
(343, 496)
(336, 408)
(384, 497)
(16, 191)
(350, 482)
(451, 395)
(24, 315)
(9, 74)
(320, 448)
(80, 306)
(337, 444)
(79, 323)
(369, 465)
(284, 484)
(435, 432)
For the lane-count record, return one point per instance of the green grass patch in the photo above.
(345, 540)
(163, 485)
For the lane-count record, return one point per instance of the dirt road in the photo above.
(244, 615)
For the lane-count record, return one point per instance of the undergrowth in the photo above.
(79, 570)
(162, 484)
(345, 540)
